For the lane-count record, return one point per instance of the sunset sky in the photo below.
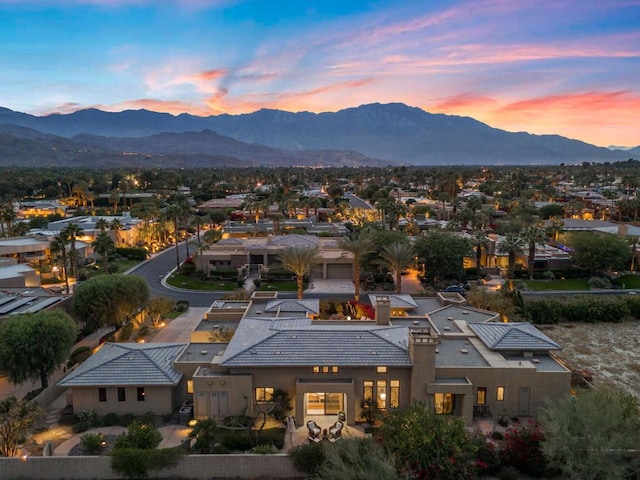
(570, 67)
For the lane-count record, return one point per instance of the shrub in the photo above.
(236, 441)
(272, 436)
(126, 419)
(139, 436)
(309, 458)
(257, 282)
(508, 473)
(79, 355)
(132, 253)
(92, 443)
(109, 420)
(136, 463)
(599, 282)
(80, 427)
(522, 448)
(187, 269)
(67, 419)
(33, 394)
(182, 305)
(266, 449)
(125, 332)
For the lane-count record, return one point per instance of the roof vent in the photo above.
(449, 318)
(294, 336)
(203, 352)
(373, 352)
(416, 322)
(437, 350)
(464, 350)
(258, 312)
(464, 312)
(535, 360)
(447, 328)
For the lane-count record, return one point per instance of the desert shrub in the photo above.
(92, 443)
(272, 436)
(132, 253)
(266, 449)
(125, 332)
(137, 463)
(508, 473)
(364, 456)
(599, 282)
(257, 282)
(522, 448)
(139, 436)
(109, 420)
(309, 458)
(80, 427)
(182, 305)
(236, 441)
(187, 269)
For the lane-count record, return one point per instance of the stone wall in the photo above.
(190, 467)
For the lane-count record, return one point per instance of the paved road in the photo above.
(357, 202)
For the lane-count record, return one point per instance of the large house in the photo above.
(461, 360)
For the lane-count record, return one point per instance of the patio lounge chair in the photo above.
(335, 431)
(314, 431)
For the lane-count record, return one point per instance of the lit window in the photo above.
(140, 393)
(394, 393)
(443, 403)
(481, 396)
(189, 386)
(316, 369)
(325, 369)
(102, 394)
(500, 394)
(381, 369)
(264, 394)
(381, 394)
(367, 393)
(122, 396)
(334, 369)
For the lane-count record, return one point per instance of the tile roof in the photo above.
(513, 336)
(296, 342)
(311, 305)
(128, 364)
(398, 300)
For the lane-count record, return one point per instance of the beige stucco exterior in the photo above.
(159, 400)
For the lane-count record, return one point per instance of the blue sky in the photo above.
(570, 67)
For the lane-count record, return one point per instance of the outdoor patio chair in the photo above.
(314, 431)
(335, 431)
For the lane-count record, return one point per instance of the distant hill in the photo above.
(394, 133)
(27, 147)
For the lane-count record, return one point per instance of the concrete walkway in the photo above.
(341, 286)
(179, 329)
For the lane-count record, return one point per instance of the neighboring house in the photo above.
(25, 249)
(41, 208)
(254, 254)
(16, 275)
(133, 378)
(129, 235)
(16, 301)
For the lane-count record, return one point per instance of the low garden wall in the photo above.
(277, 466)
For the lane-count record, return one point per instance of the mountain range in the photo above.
(374, 134)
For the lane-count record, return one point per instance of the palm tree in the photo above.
(58, 246)
(102, 224)
(398, 256)
(360, 246)
(71, 231)
(556, 227)
(19, 229)
(103, 244)
(533, 234)
(116, 226)
(299, 260)
(479, 241)
(511, 244)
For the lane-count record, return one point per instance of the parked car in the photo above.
(454, 288)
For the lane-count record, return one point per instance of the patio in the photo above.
(298, 436)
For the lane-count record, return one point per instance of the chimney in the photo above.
(383, 309)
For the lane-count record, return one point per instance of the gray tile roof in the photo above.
(513, 336)
(296, 342)
(397, 300)
(125, 364)
(311, 305)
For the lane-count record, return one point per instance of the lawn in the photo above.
(568, 284)
(192, 283)
(290, 286)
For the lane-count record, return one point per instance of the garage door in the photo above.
(316, 273)
(339, 271)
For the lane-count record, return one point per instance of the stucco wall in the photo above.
(159, 400)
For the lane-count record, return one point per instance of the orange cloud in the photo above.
(173, 107)
(462, 102)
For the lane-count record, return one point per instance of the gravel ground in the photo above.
(110, 442)
(610, 350)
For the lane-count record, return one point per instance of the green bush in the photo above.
(182, 305)
(79, 355)
(125, 332)
(220, 450)
(272, 436)
(110, 420)
(126, 419)
(599, 282)
(132, 253)
(308, 458)
(236, 441)
(137, 463)
(139, 436)
(33, 394)
(80, 427)
(92, 443)
(266, 449)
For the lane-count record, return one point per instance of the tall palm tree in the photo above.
(359, 246)
(58, 247)
(398, 256)
(479, 241)
(103, 244)
(512, 245)
(300, 261)
(102, 224)
(71, 231)
(533, 234)
(116, 226)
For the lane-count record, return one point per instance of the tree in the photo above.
(479, 241)
(105, 247)
(58, 247)
(511, 245)
(532, 235)
(32, 346)
(593, 436)
(110, 300)
(16, 417)
(599, 252)
(19, 229)
(157, 307)
(443, 254)
(359, 246)
(71, 231)
(102, 224)
(427, 445)
(300, 261)
(397, 257)
(551, 210)
(116, 226)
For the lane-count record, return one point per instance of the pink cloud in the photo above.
(463, 102)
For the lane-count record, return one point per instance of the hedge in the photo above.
(132, 253)
(582, 309)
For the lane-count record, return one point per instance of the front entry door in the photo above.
(523, 403)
